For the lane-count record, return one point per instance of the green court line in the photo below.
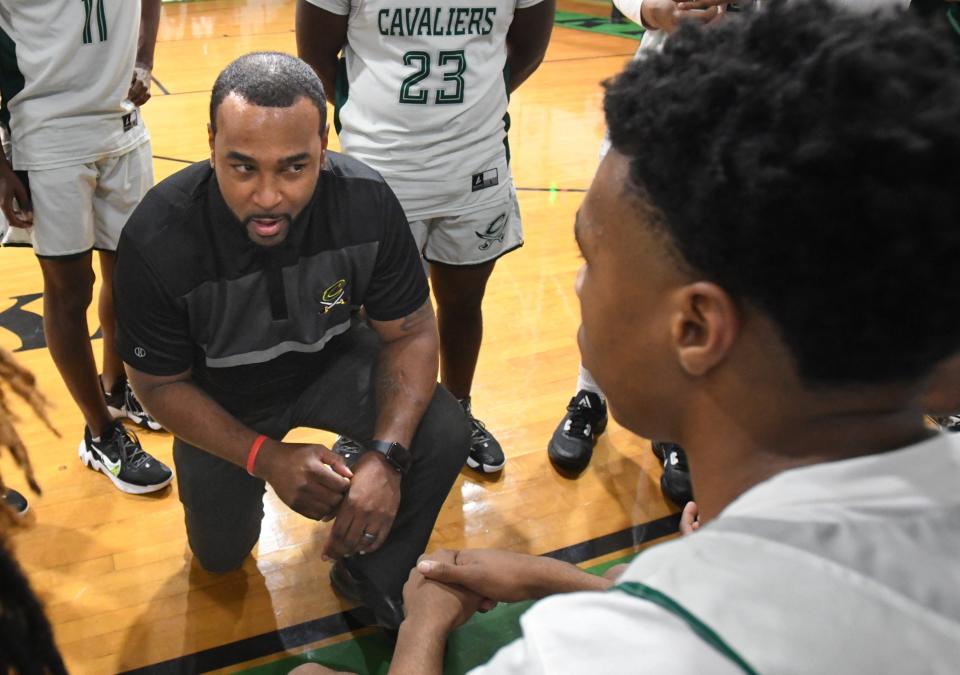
(598, 24)
(470, 646)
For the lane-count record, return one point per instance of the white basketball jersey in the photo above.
(76, 58)
(426, 97)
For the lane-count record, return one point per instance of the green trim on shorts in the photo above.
(707, 634)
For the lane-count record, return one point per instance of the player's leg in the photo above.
(342, 399)
(122, 183)
(67, 293)
(63, 237)
(462, 251)
(571, 445)
(459, 295)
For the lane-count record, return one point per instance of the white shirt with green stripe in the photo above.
(842, 567)
(76, 60)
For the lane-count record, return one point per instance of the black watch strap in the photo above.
(397, 455)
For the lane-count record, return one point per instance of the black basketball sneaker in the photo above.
(572, 443)
(485, 455)
(949, 423)
(675, 481)
(121, 402)
(119, 456)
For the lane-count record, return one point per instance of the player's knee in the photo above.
(71, 292)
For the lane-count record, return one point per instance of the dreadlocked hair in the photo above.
(26, 640)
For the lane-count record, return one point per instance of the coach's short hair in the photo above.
(269, 79)
(807, 159)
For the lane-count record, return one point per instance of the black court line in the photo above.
(174, 159)
(166, 92)
(308, 632)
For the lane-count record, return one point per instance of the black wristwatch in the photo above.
(396, 455)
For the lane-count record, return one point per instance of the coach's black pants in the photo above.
(223, 505)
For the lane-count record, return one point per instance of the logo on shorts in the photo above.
(129, 120)
(488, 178)
(140, 352)
(494, 232)
(334, 295)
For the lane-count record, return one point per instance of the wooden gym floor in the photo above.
(114, 570)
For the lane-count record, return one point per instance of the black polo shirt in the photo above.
(192, 291)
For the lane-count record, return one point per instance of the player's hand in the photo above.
(689, 519)
(499, 576)
(702, 11)
(310, 479)
(317, 669)
(666, 15)
(367, 512)
(445, 606)
(140, 85)
(14, 200)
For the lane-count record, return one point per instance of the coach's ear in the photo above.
(210, 136)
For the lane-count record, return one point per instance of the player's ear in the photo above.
(210, 135)
(705, 325)
(324, 136)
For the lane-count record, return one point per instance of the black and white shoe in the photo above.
(675, 481)
(571, 445)
(119, 456)
(16, 502)
(949, 423)
(349, 449)
(121, 402)
(485, 455)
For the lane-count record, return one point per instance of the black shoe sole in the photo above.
(576, 465)
(485, 468)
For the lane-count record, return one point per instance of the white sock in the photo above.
(586, 382)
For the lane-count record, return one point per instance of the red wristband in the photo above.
(254, 451)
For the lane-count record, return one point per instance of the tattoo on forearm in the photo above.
(415, 319)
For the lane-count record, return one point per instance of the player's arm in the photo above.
(405, 381)
(320, 37)
(527, 40)
(149, 27)
(139, 92)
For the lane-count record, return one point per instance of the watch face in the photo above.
(400, 456)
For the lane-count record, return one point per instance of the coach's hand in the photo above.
(367, 512)
(19, 214)
(139, 92)
(310, 479)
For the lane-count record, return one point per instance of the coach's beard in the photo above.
(267, 229)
